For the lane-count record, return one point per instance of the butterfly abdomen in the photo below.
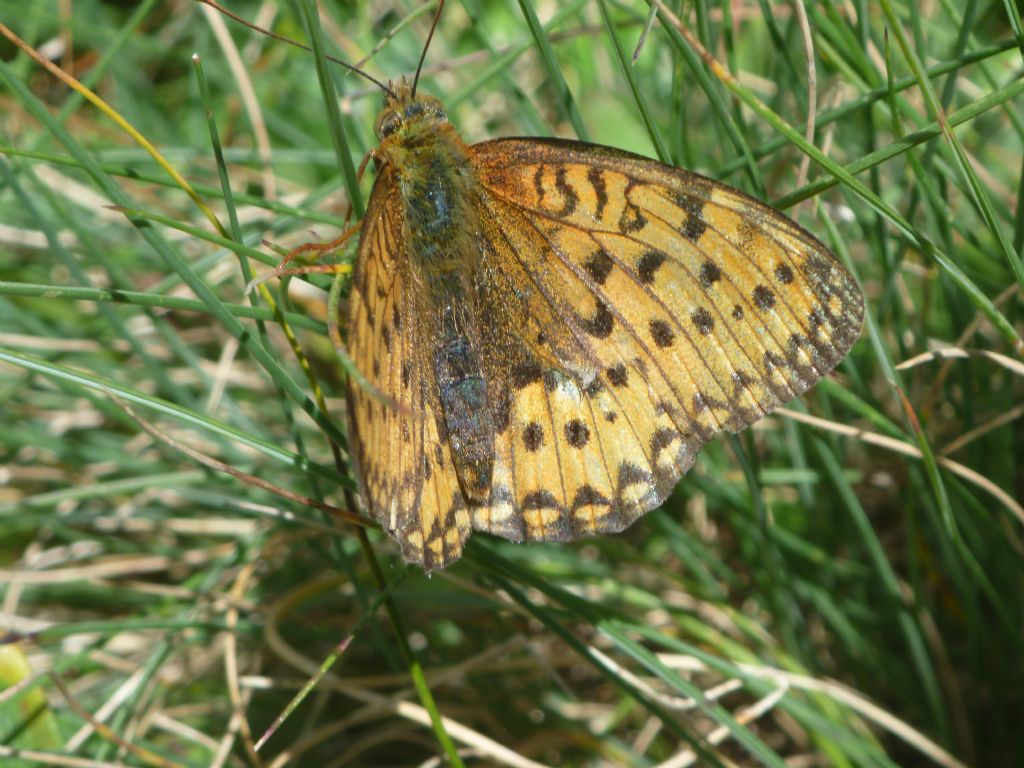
(460, 382)
(467, 416)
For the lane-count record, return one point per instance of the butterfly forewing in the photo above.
(748, 307)
(572, 455)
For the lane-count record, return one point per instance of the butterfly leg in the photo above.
(316, 250)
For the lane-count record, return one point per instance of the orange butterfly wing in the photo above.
(406, 470)
(633, 311)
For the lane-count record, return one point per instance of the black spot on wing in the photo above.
(763, 298)
(784, 274)
(538, 183)
(662, 333)
(587, 496)
(703, 321)
(631, 474)
(648, 265)
(599, 265)
(535, 500)
(693, 225)
(533, 436)
(632, 219)
(663, 438)
(601, 323)
(618, 375)
(814, 320)
(709, 274)
(577, 433)
(596, 178)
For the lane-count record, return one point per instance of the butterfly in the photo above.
(557, 328)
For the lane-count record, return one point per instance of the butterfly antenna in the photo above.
(221, 9)
(426, 45)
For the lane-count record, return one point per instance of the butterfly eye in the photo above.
(387, 124)
(426, 107)
(433, 108)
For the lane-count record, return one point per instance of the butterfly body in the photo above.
(434, 180)
(563, 325)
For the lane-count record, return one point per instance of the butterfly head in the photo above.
(403, 108)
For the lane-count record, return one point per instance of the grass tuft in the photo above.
(841, 585)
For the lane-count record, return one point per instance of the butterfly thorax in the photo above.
(429, 165)
(431, 171)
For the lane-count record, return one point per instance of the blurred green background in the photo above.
(839, 592)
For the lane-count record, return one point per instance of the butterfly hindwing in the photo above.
(579, 450)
